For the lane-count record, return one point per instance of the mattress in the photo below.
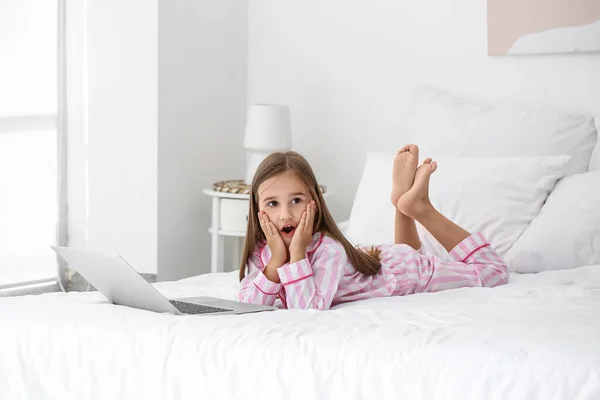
(537, 337)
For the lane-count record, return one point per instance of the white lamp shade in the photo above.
(268, 127)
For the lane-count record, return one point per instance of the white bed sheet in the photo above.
(538, 337)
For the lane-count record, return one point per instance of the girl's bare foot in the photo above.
(403, 176)
(416, 200)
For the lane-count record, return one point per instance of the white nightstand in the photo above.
(230, 218)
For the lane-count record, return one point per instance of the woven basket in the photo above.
(232, 186)
(238, 186)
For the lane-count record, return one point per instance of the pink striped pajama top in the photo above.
(326, 277)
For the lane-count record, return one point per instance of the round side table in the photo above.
(229, 219)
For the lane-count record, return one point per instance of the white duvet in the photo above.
(538, 337)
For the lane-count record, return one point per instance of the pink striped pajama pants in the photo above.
(475, 264)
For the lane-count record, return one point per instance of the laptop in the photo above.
(116, 279)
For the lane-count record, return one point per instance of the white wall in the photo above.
(347, 68)
(112, 70)
(157, 98)
(202, 101)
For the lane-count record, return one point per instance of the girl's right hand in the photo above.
(274, 239)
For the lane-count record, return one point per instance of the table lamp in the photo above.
(268, 129)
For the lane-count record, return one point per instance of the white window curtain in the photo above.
(32, 142)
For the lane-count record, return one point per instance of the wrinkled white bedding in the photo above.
(538, 337)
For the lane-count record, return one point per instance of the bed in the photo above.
(537, 337)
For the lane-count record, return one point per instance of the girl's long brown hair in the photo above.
(278, 163)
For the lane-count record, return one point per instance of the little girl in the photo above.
(294, 250)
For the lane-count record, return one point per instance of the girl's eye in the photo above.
(296, 200)
(272, 203)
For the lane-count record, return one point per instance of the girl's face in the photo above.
(284, 198)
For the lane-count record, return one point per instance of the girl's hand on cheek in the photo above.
(303, 234)
(274, 239)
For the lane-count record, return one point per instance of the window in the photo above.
(29, 141)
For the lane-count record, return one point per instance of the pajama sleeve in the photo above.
(255, 287)
(313, 285)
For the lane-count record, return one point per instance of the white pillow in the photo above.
(566, 234)
(497, 196)
(446, 125)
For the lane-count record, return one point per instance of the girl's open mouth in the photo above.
(288, 230)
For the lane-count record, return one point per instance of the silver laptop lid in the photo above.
(115, 279)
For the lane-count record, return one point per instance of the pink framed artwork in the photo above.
(543, 26)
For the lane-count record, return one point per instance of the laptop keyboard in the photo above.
(191, 308)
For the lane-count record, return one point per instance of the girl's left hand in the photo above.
(303, 234)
